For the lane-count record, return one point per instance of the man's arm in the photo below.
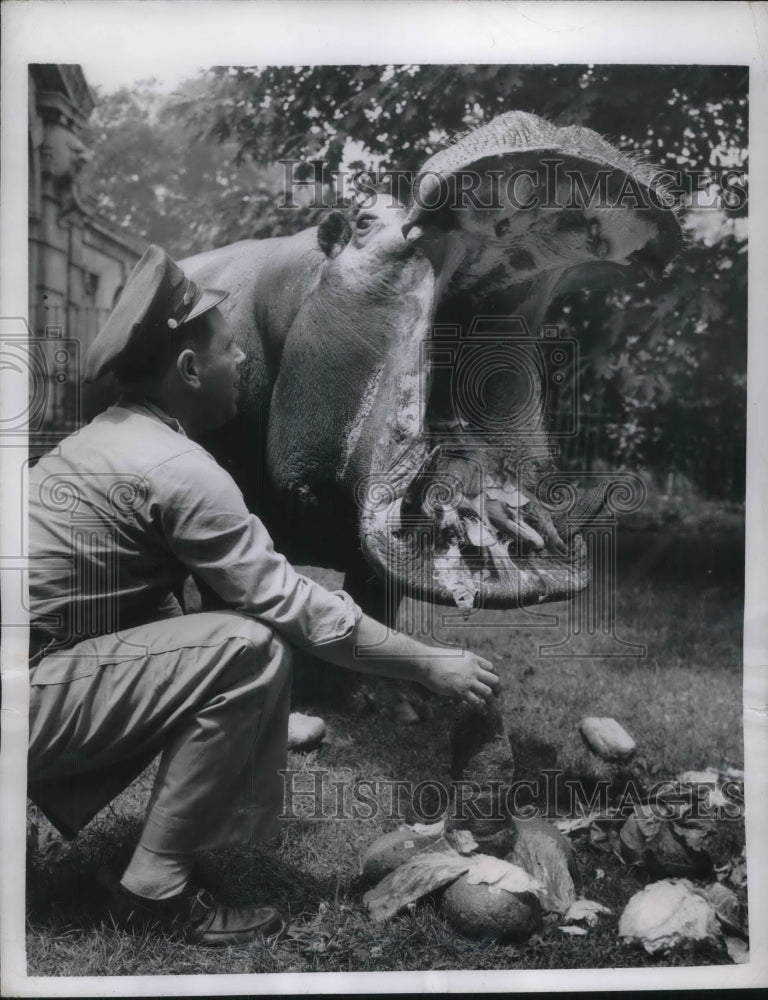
(372, 648)
(211, 532)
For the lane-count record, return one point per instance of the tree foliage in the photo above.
(663, 363)
(150, 176)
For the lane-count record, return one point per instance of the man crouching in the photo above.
(120, 513)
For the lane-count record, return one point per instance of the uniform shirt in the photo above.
(121, 512)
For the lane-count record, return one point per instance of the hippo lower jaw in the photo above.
(465, 524)
(419, 562)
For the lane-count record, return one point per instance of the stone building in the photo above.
(78, 262)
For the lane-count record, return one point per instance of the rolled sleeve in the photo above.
(211, 532)
(338, 624)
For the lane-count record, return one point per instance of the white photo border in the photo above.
(256, 32)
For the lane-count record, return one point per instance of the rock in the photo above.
(392, 850)
(706, 777)
(666, 914)
(305, 732)
(606, 738)
(488, 911)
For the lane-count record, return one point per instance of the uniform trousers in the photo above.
(209, 692)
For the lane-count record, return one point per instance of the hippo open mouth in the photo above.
(394, 412)
(463, 504)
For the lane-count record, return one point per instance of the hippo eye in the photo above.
(364, 222)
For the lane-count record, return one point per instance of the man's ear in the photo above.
(187, 368)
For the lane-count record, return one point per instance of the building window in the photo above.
(90, 285)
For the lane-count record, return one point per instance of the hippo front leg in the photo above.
(406, 703)
(369, 592)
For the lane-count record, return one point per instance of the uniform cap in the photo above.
(158, 298)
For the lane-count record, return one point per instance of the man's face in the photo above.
(218, 365)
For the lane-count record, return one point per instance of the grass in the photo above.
(681, 702)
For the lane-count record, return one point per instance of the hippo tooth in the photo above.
(506, 518)
(419, 482)
(449, 570)
(499, 553)
(511, 496)
(431, 458)
(479, 533)
(546, 526)
(450, 525)
(530, 534)
(408, 463)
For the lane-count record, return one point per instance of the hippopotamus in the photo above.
(392, 420)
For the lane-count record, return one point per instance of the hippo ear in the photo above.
(333, 234)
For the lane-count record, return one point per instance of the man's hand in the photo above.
(466, 676)
(374, 649)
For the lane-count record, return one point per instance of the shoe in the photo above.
(193, 915)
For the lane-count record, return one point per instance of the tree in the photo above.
(150, 176)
